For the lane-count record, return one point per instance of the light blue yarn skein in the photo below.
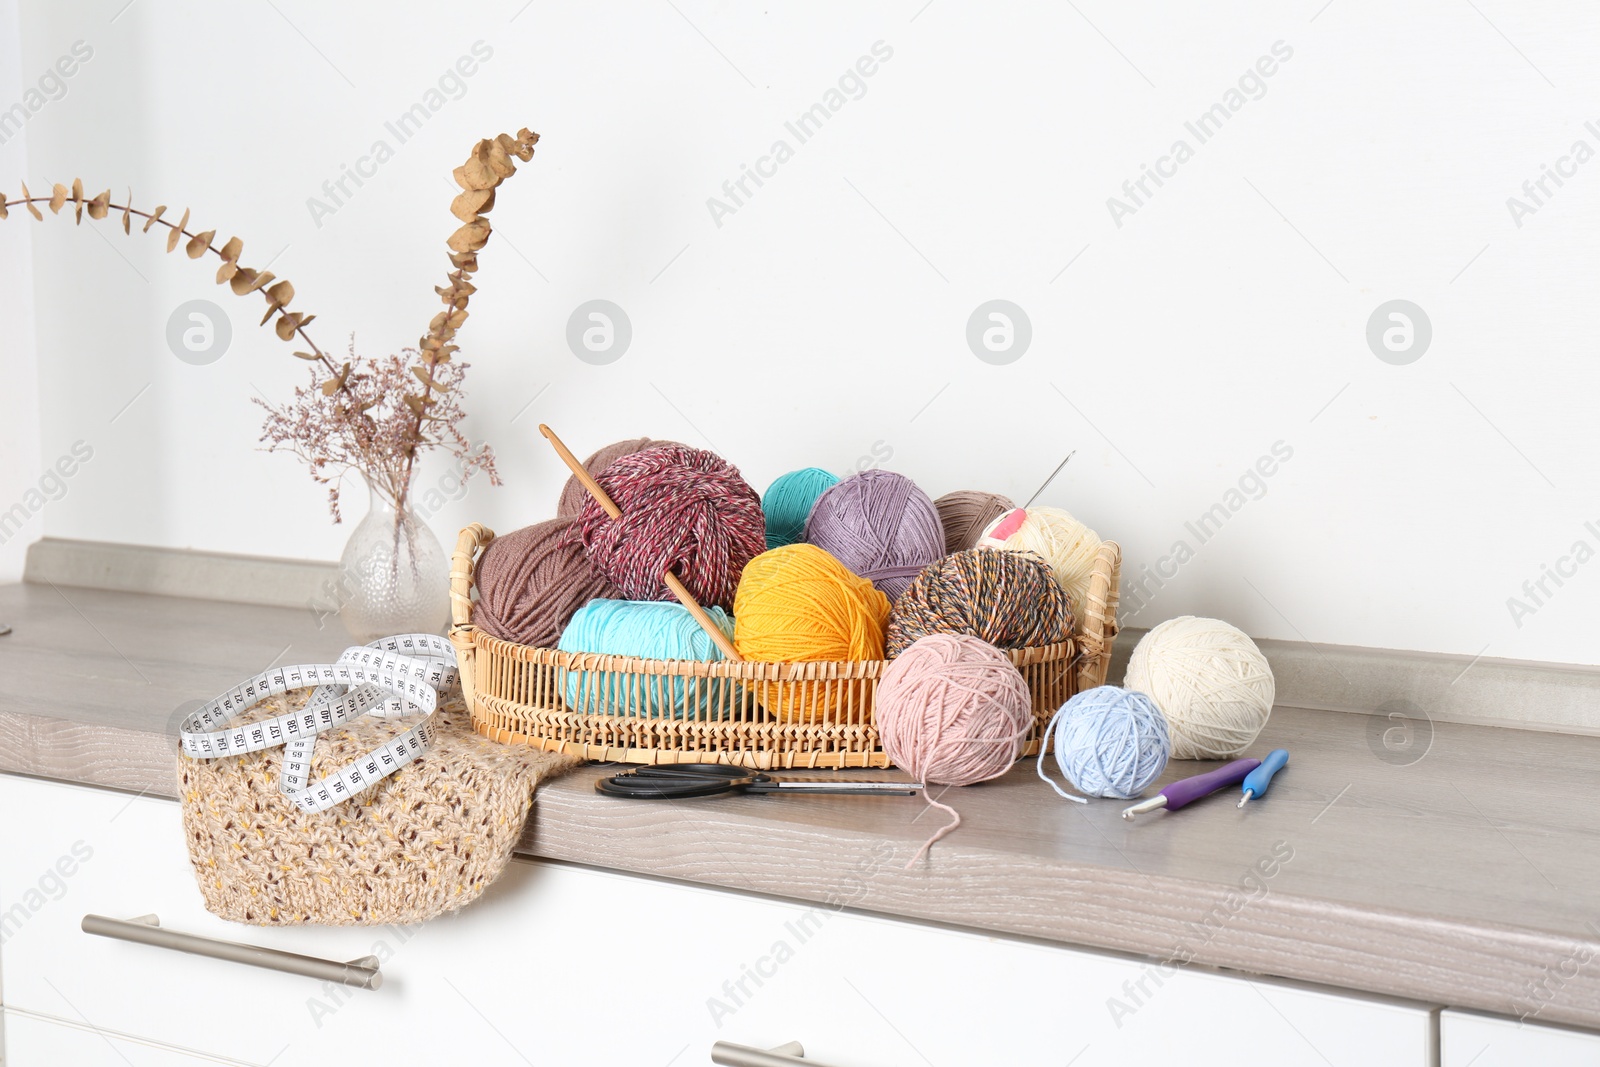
(788, 501)
(649, 630)
(1110, 742)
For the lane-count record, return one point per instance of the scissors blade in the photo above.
(892, 789)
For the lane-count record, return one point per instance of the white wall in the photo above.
(824, 320)
(19, 427)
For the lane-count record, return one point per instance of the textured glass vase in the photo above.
(394, 577)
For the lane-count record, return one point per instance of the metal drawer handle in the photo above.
(731, 1055)
(147, 930)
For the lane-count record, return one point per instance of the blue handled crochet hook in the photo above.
(1256, 782)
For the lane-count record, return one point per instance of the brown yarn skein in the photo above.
(574, 495)
(530, 583)
(965, 513)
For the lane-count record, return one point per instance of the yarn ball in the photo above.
(651, 630)
(1065, 543)
(788, 501)
(1109, 742)
(880, 525)
(684, 510)
(1009, 599)
(952, 710)
(797, 604)
(573, 494)
(965, 514)
(1209, 680)
(531, 581)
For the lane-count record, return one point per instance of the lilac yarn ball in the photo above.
(879, 525)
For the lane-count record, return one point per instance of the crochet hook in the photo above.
(1188, 790)
(1256, 782)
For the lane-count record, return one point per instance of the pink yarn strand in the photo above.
(955, 821)
(952, 710)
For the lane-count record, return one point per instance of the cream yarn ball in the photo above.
(1209, 680)
(1066, 544)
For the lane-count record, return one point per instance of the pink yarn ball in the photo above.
(952, 710)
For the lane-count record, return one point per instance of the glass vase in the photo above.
(394, 576)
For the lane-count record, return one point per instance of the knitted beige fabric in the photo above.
(426, 840)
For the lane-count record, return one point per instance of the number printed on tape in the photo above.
(394, 675)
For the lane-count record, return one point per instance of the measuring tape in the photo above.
(393, 675)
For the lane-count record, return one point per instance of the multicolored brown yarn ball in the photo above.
(683, 509)
(531, 581)
(1009, 599)
(573, 494)
(965, 513)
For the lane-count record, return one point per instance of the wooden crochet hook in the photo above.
(679, 590)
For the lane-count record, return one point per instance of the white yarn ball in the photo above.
(1209, 680)
(1066, 544)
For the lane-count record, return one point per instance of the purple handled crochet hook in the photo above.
(1189, 790)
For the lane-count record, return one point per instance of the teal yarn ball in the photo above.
(788, 501)
(1110, 742)
(648, 630)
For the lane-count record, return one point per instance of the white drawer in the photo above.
(35, 1041)
(565, 965)
(1493, 1041)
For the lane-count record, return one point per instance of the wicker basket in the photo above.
(520, 695)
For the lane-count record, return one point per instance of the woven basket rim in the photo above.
(753, 670)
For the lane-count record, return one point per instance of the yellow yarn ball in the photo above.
(1066, 544)
(797, 604)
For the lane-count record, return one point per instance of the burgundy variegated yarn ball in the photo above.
(683, 509)
(573, 494)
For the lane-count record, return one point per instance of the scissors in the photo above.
(676, 781)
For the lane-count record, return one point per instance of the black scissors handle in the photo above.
(680, 780)
(673, 781)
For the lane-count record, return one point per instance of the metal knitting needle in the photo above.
(1050, 479)
(1257, 781)
(1188, 790)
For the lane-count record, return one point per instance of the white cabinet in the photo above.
(1468, 1039)
(562, 964)
(34, 1039)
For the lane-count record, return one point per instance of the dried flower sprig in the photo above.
(380, 420)
(490, 163)
(242, 280)
(372, 433)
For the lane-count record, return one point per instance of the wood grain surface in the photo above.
(1458, 868)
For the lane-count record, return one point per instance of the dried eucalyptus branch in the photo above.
(382, 420)
(242, 280)
(490, 164)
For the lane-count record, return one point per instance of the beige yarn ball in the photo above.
(1209, 680)
(1066, 544)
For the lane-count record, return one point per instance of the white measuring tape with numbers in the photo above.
(392, 675)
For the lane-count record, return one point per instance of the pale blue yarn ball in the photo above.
(649, 630)
(788, 501)
(1111, 742)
